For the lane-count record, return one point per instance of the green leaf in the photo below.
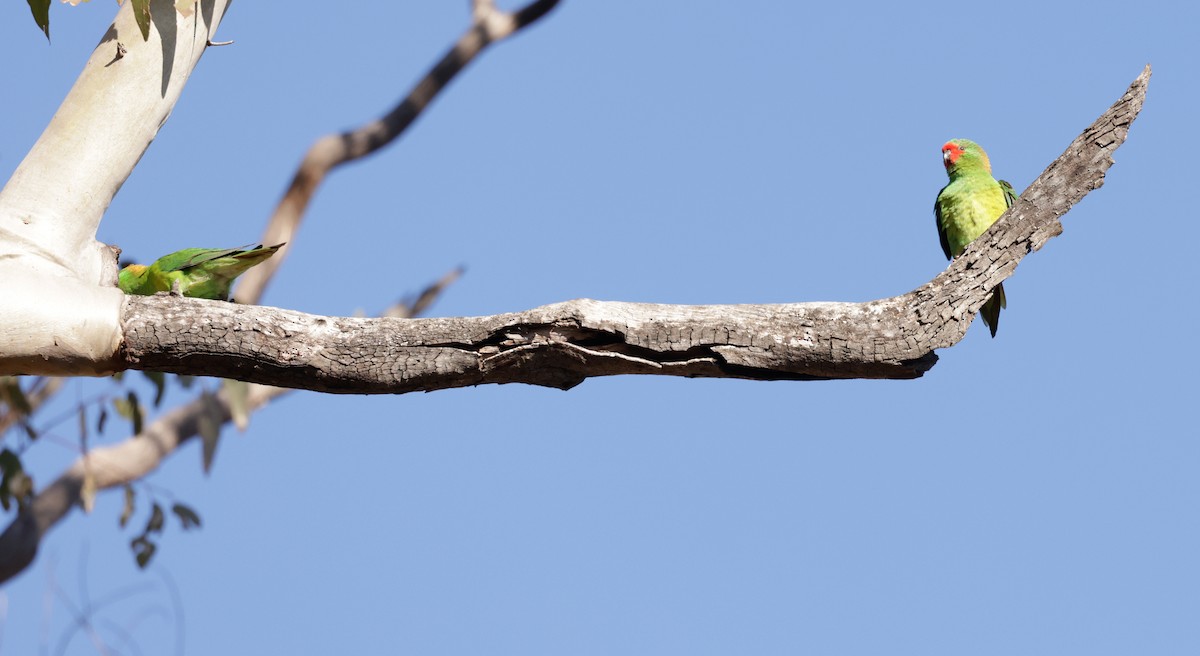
(141, 13)
(9, 461)
(208, 424)
(41, 15)
(157, 519)
(143, 550)
(12, 394)
(130, 409)
(10, 467)
(127, 511)
(160, 384)
(238, 393)
(187, 516)
(103, 419)
(137, 412)
(186, 381)
(123, 408)
(15, 484)
(19, 486)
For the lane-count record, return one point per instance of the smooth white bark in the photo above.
(56, 299)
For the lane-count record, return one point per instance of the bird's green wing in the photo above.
(190, 257)
(937, 215)
(1010, 196)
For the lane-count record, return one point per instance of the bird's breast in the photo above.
(968, 209)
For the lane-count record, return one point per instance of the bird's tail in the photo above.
(990, 312)
(249, 257)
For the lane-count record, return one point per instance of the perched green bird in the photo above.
(199, 272)
(968, 206)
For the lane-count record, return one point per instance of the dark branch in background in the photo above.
(130, 460)
(560, 345)
(489, 25)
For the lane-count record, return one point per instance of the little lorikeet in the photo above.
(199, 272)
(968, 206)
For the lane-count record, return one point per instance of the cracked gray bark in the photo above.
(562, 344)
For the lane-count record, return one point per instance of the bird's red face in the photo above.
(950, 153)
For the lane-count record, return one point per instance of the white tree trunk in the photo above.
(59, 309)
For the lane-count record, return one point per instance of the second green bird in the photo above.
(968, 206)
(199, 272)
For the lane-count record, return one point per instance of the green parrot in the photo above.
(199, 272)
(968, 206)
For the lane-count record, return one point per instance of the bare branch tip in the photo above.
(1140, 83)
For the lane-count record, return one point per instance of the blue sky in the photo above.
(1034, 493)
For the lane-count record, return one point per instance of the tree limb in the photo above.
(562, 344)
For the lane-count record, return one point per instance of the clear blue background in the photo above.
(1032, 494)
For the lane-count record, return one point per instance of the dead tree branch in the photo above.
(562, 344)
